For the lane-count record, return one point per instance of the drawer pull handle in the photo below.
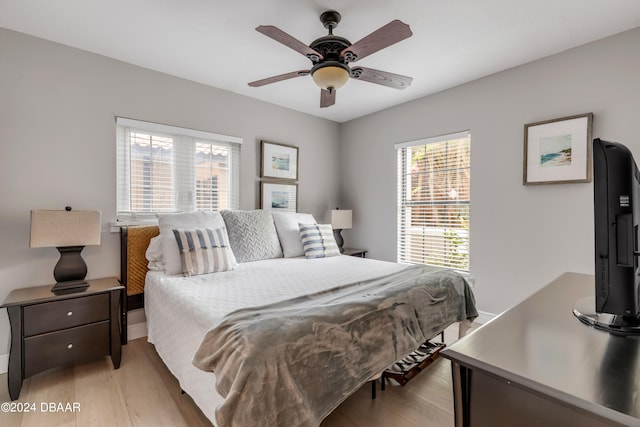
(70, 346)
(69, 313)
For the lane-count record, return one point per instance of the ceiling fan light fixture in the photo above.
(330, 76)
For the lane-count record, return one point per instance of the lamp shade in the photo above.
(330, 76)
(60, 228)
(341, 219)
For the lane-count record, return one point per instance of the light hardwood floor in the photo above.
(144, 393)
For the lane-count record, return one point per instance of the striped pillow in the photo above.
(204, 251)
(318, 240)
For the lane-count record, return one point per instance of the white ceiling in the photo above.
(214, 42)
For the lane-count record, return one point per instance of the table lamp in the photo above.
(340, 220)
(69, 231)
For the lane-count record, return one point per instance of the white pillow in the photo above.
(188, 221)
(154, 254)
(289, 232)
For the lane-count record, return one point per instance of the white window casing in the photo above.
(162, 168)
(434, 201)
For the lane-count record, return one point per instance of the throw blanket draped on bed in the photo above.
(293, 362)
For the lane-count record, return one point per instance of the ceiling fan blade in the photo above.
(327, 99)
(280, 36)
(279, 78)
(383, 78)
(391, 33)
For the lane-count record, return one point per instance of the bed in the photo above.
(279, 337)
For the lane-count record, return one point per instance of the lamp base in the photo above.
(339, 240)
(70, 266)
(70, 286)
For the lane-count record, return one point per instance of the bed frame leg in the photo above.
(383, 383)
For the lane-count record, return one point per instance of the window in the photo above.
(170, 169)
(433, 201)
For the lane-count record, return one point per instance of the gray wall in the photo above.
(57, 137)
(57, 145)
(521, 236)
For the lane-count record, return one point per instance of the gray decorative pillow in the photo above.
(186, 221)
(252, 235)
(318, 241)
(203, 251)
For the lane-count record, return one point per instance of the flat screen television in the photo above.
(616, 193)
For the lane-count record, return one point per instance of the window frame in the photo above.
(403, 253)
(184, 147)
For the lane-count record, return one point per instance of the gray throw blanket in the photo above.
(293, 362)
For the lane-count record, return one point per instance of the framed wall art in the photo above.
(279, 161)
(280, 196)
(558, 151)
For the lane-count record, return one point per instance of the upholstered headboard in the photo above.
(134, 241)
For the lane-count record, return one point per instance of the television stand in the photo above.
(536, 365)
(585, 310)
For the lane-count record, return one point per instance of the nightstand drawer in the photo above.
(72, 345)
(53, 316)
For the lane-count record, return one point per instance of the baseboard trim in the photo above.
(4, 363)
(484, 317)
(135, 331)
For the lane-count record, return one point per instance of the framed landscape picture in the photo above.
(558, 151)
(279, 196)
(279, 161)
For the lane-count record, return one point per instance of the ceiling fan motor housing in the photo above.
(330, 46)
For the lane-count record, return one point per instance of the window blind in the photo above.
(162, 168)
(434, 201)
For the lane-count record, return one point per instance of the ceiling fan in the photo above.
(331, 55)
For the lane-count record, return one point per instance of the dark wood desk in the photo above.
(538, 365)
(49, 330)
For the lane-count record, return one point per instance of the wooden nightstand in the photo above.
(362, 253)
(49, 330)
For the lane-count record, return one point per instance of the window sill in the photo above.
(114, 226)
